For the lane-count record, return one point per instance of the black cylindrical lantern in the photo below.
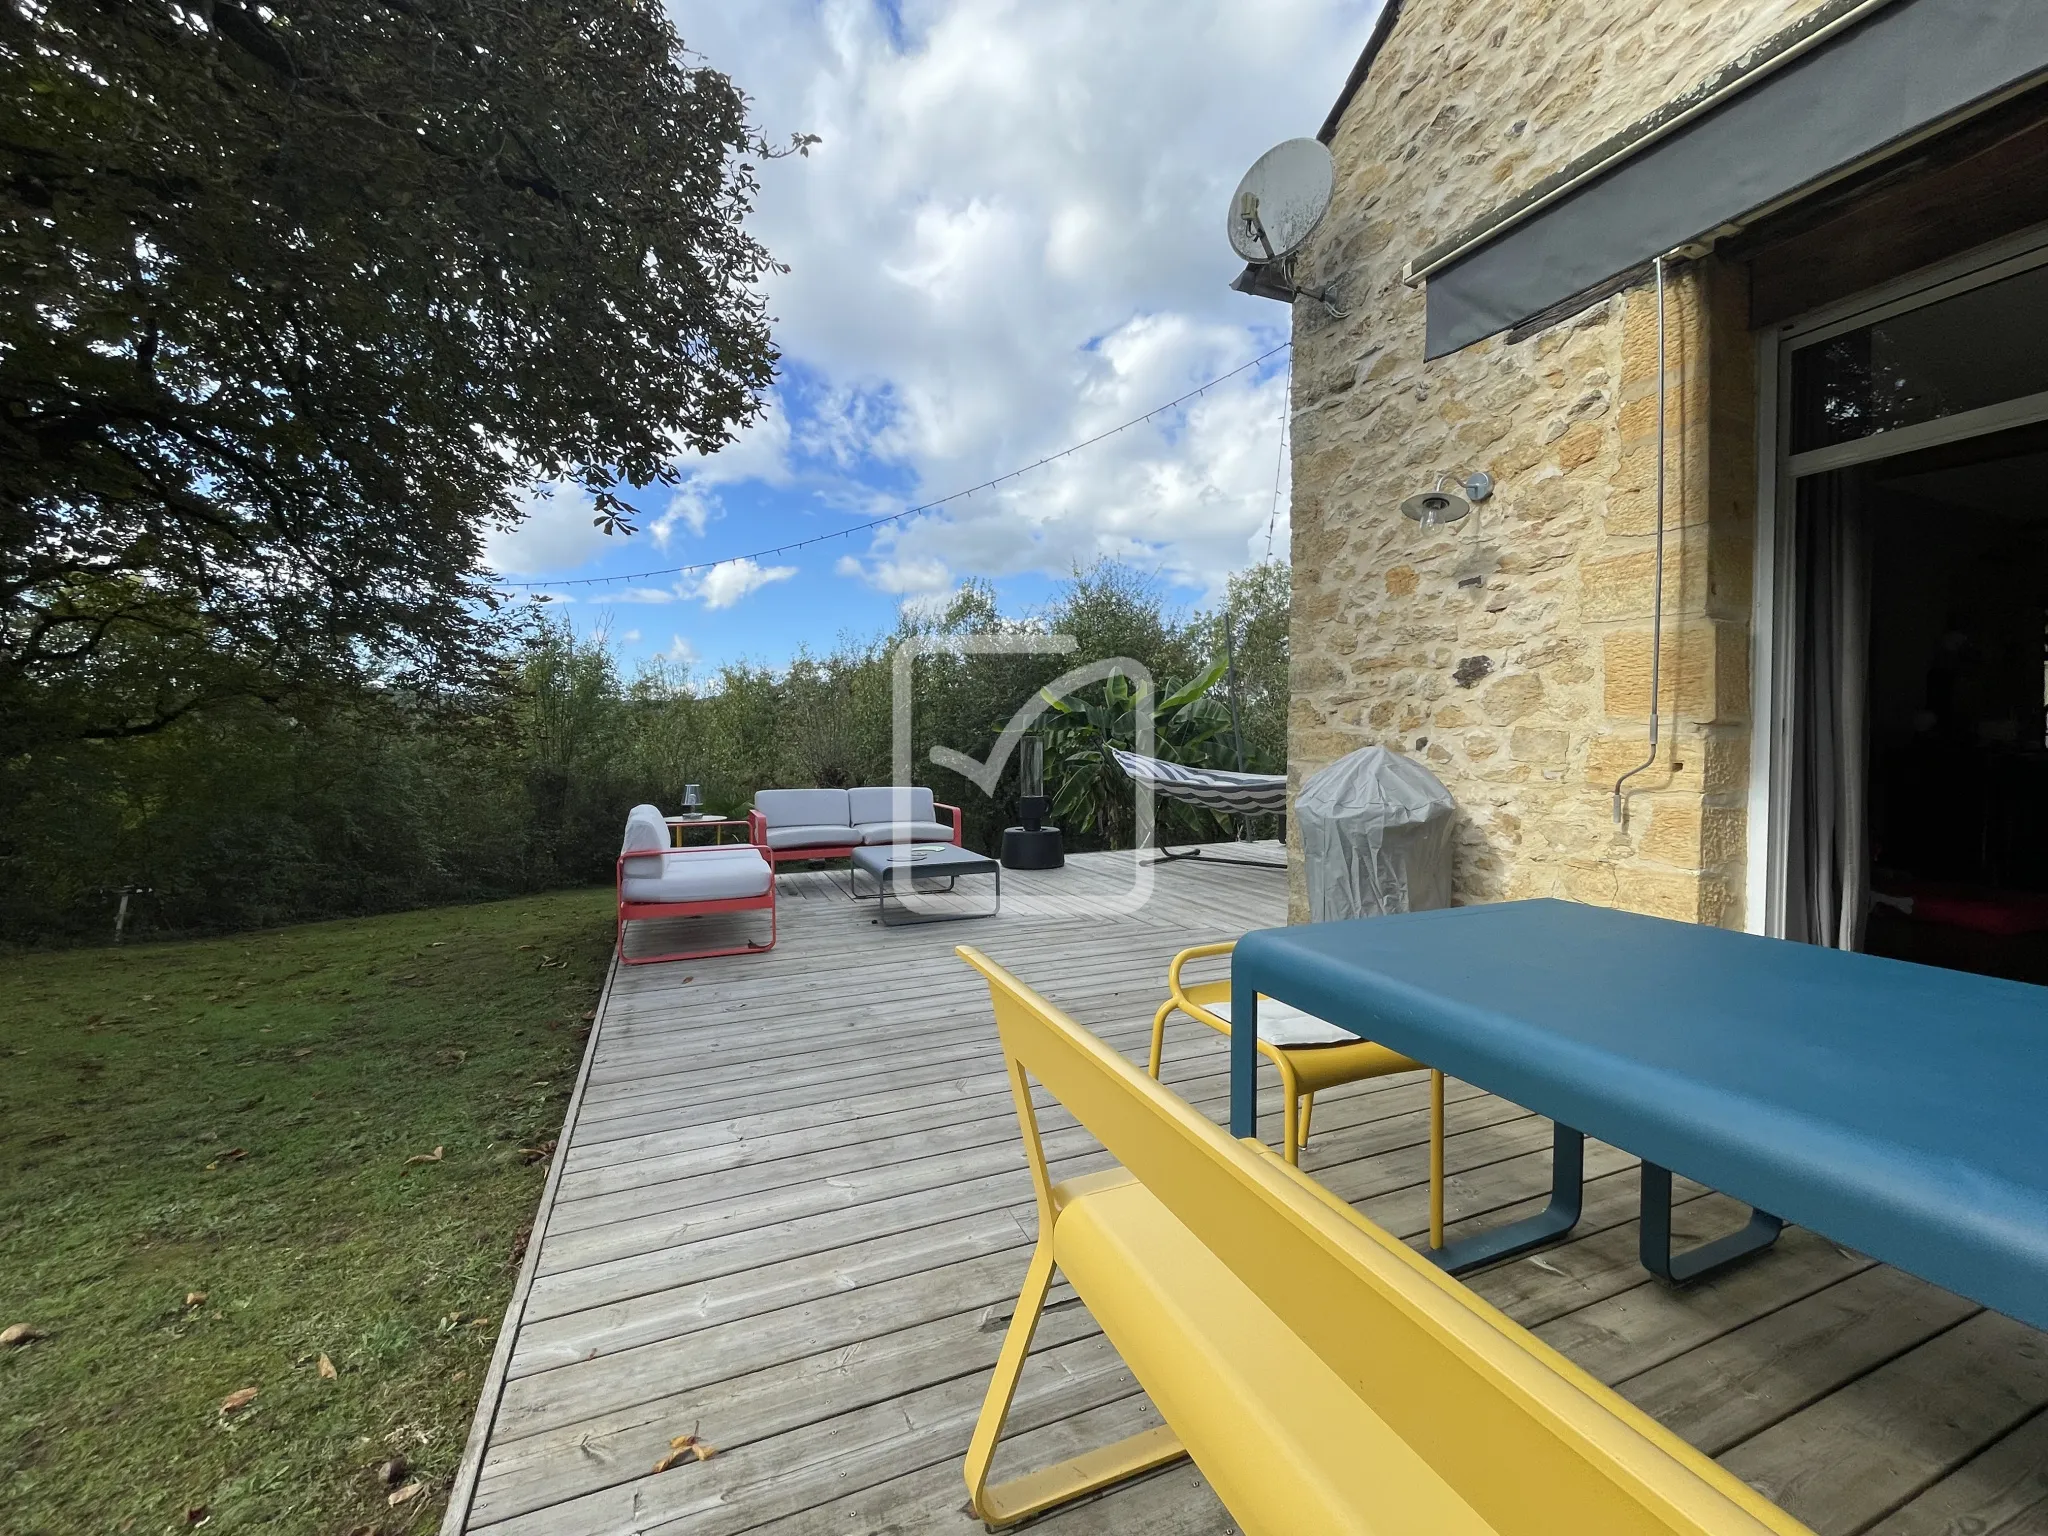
(1033, 845)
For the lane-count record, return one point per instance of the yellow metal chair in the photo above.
(1304, 1069)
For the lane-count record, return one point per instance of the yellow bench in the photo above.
(1322, 1376)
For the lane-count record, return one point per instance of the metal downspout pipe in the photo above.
(1657, 602)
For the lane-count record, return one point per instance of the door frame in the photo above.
(1776, 570)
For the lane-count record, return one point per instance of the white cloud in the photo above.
(721, 586)
(630, 637)
(1011, 238)
(731, 580)
(680, 650)
(690, 506)
(556, 534)
(759, 452)
(923, 576)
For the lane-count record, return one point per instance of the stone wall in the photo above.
(1511, 651)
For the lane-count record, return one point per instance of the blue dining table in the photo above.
(1898, 1109)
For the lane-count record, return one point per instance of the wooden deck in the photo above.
(792, 1213)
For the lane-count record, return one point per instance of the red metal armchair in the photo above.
(656, 880)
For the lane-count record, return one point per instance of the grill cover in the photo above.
(1376, 831)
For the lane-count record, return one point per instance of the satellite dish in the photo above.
(1280, 201)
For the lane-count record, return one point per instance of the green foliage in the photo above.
(1090, 793)
(305, 294)
(244, 817)
(234, 1117)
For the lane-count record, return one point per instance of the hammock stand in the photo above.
(1212, 789)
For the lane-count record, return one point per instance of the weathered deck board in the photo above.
(792, 1214)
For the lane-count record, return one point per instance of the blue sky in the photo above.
(1009, 240)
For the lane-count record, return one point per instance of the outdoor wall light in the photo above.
(1436, 507)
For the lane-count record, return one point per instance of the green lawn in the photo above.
(235, 1118)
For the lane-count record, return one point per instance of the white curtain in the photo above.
(1827, 884)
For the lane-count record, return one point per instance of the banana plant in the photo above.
(1090, 793)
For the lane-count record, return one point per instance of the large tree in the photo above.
(303, 295)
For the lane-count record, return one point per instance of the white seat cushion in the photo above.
(812, 837)
(904, 832)
(1280, 1024)
(701, 874)
(803, 807)
(889, 804)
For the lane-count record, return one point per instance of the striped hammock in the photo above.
(1213, 789)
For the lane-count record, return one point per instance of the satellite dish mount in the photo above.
(1275, 209)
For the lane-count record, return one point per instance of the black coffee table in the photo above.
(892, 865)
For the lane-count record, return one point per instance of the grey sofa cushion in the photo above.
(803, 808)
(905, 832)
(701, 874)
(912, 802)
(812, 837)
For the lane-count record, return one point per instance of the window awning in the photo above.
(1856, 80)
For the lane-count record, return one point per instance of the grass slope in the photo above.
(235, 1117)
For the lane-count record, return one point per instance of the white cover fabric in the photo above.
(905, 803)
(803, 808)
(1283, 1024)
(700, 874)
(812, 837)
(645, 828)
(904, 831)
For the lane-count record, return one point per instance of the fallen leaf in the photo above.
(424, 1157)
(198, 1515)
(232, 1155)
(392, 1472)
(195, 1298)
(405, 1495)
(526, 946)
(685, 1448)
(437, 943)
(539, 1154)
(589, 1016)
(235, 1402)
(14, 1335)
(304, 1050)
(327, 1370)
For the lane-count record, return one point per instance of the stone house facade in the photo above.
(1512, 651)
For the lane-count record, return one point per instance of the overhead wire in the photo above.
(929, 506)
